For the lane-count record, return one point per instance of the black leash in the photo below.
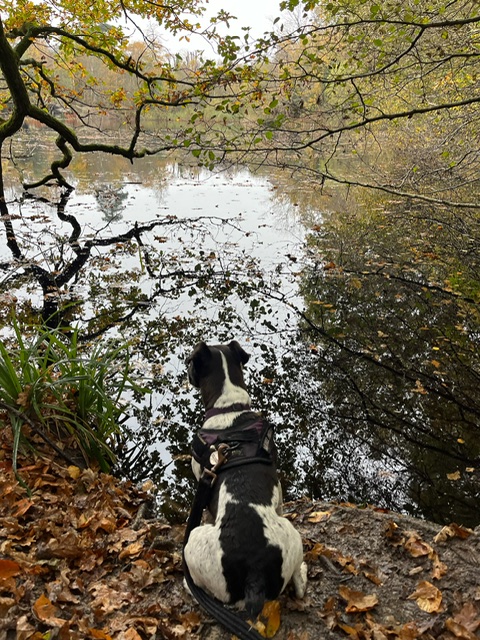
(214, 607)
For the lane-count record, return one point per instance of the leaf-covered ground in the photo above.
(78, 561)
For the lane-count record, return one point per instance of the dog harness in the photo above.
(250, 439)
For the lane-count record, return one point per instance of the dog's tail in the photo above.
(254, 594)
(219, 611)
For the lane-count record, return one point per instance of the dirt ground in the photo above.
(78, 561)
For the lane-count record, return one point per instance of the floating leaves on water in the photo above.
(454, 476)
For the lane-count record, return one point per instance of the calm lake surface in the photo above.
(346, 341)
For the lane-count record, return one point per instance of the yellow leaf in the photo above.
(454, 476)
(74, 472)
(428, 597)
(271, 611)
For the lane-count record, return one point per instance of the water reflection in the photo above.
(362, 320)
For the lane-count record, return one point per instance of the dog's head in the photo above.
(217, 371)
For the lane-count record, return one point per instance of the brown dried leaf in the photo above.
(9, 569)
(6, 603)
(454, 476)
(428, 597)
(351, 631)
(46, 612)
(452, 531)
(394, 533)
(319, 516)
(439, 568)
(129, 634)
(23, 397)
(330, 613)
(357, 601)
(22, 507)
(416, 546)
(98, 634)
(131, 550)
(459, 630)
(468, 617)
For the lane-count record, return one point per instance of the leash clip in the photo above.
(217, 459)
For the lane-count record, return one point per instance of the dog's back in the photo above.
(250, 553)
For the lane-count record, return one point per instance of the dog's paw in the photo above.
(187, 588)
(300, 580)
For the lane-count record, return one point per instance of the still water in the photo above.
(362, 356)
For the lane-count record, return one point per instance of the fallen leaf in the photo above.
(373, 577)
(6, 603)
(74, 472)
(132, 549)
(439, 567)
(419, 388)
(329, 613)
(329, 266)
(459, 630)
(22, 507)
(452, 530)
(319, 516)
(130, 634)
(416, 546)
(98, 634)
(357, 601)
(46, 612)
(428, 597)
(394, 533)
(271, 612)
(467, 618)
(351, 631)
(9, 569)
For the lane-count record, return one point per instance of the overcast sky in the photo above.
(257, 14)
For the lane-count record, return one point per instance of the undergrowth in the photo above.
(67, 395)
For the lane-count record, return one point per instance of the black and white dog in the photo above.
(250, 553)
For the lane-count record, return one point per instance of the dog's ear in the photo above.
(197, 361)
(242, 356)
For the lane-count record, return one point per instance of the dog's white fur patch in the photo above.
(231, 393)
(281, 533)
(203, 553)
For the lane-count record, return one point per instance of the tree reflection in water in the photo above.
(364, 337)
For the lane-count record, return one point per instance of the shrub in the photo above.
(68, 394)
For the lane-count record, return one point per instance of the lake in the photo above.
(360, 315)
